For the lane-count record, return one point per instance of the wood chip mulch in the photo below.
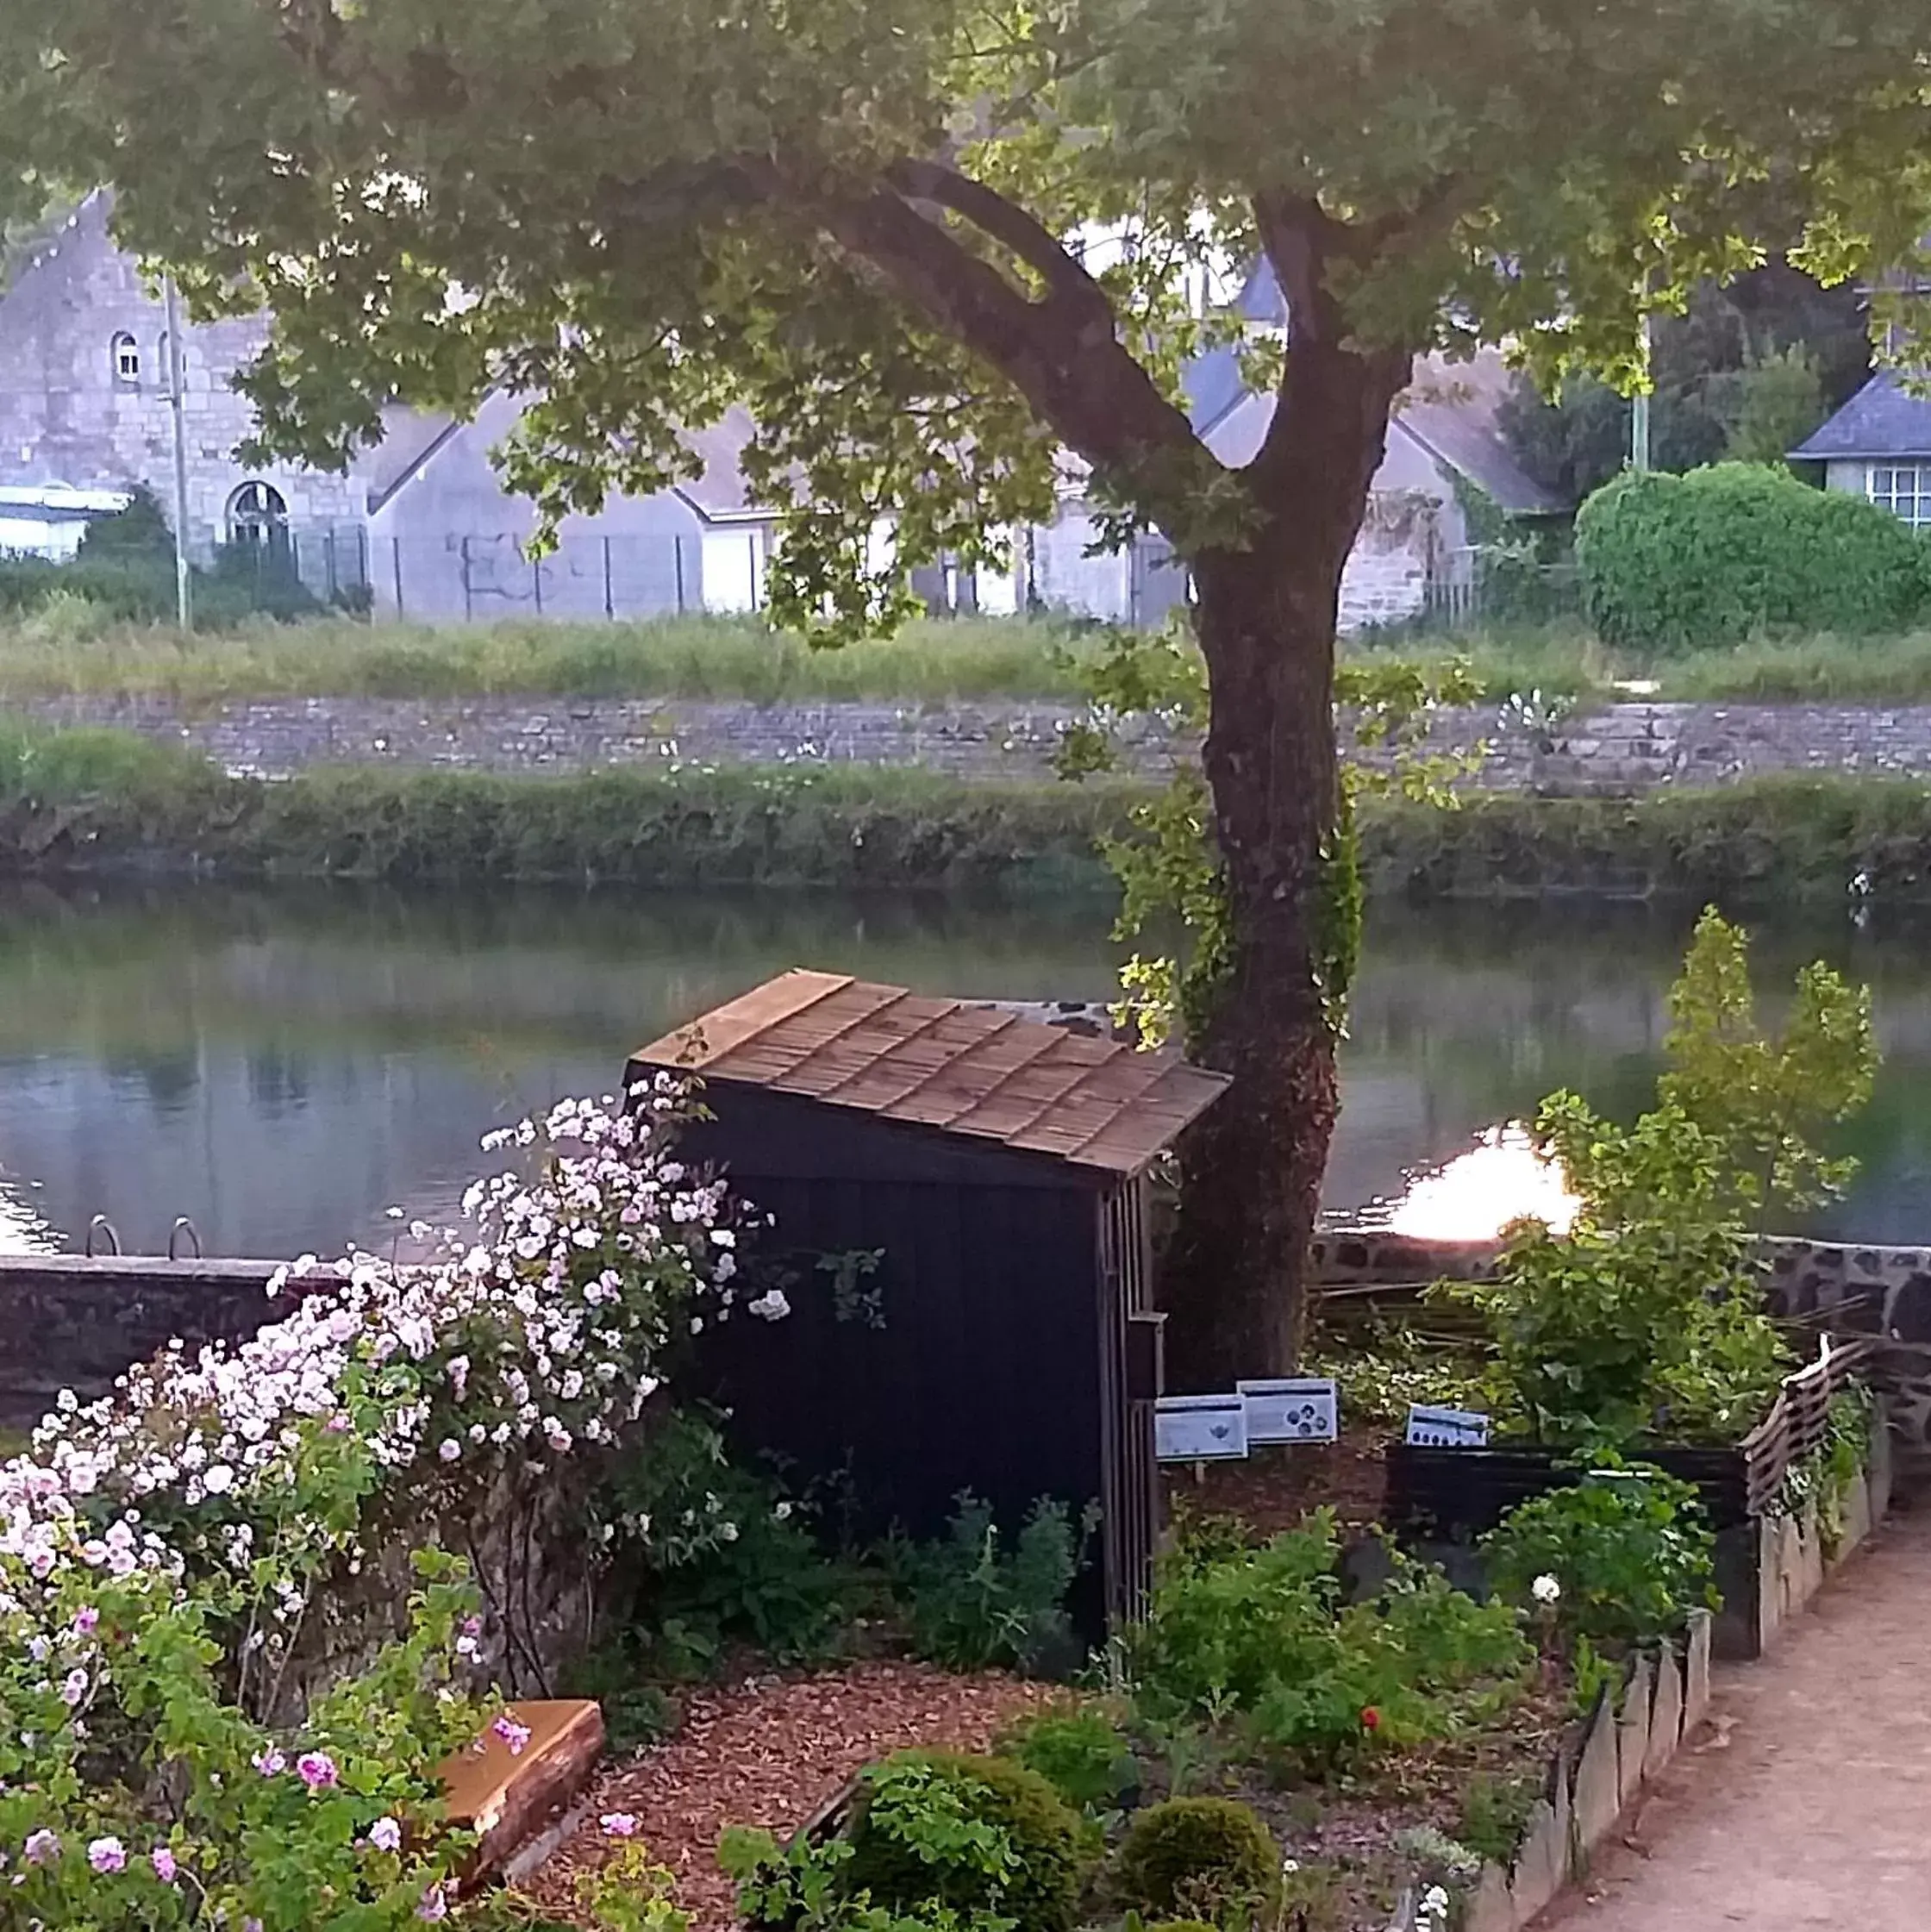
(769, 1752)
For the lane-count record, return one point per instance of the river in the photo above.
(282, 1066)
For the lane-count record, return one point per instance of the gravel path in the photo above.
(1809, 1802)
(769, 1752)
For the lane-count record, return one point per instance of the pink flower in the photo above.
(85, 1620)
(270, 1763)
(41, 1847)
(317, 1769)
(514, 1735)
(108, 1855)
(435, 1905)
(618, 1824)
(386, 1835)
(74, 1689)
(165, 1867)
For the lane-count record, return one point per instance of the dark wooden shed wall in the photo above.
(986, 1372)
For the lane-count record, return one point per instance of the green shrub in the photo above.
(1207, 1856)
(1629, 1551)
(1700, 562)
(712, 1553)
(1079, 1752)
(970, 1834)
(1260, 1640)
(975, 1604)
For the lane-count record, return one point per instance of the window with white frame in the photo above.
(126, 358)
(1905, 489)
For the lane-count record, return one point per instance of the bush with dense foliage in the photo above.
(1675, 564)
(1015, 1850)
(1621, 1557)
(1260, 1641)
(1080, 1753)
(939, 1839)
(1206, 1858)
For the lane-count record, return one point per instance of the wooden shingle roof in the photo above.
(947, 1064)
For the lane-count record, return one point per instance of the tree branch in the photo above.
(1067, 280)
(1063, 353)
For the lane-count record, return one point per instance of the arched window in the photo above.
(258, 515)
(126, 358)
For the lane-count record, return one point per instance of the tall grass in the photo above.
(70, 648)
(66, 649)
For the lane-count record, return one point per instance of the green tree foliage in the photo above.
(878, 223)
(1698, 562)
(1725, 383)
(139, 532)
(1767, 1100)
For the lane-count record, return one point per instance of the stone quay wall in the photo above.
(1622, 750)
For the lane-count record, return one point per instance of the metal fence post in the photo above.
(329, 562)
(610, 603)
(469, 602)
(395, 566)
(536, 582)
(677, 559)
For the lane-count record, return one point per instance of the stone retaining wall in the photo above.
(1622, 750)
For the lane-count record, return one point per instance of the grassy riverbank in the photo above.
(97, 799)
(70, 649)
(107, 799)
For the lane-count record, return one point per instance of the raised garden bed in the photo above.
(1441, 1500)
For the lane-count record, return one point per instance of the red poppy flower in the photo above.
(1371, 1719)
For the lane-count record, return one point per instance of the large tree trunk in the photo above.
(1265, 614)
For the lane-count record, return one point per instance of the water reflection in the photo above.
(281, 1065)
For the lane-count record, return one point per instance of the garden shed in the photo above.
(962, 1233)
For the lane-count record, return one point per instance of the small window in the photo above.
(126, 358)
(257, 514)
(1905, 489)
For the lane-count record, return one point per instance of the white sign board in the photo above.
(1290, 1409)
(1199, 1428)
(1447, 1429)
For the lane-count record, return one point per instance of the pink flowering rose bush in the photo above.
(246, 1601)
(136, 1797)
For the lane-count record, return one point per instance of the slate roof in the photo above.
(948, 1065)
(1450, 409)
(1882, 420)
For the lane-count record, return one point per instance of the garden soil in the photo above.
(1807, 1802)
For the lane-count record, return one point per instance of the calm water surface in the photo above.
(282, 1066)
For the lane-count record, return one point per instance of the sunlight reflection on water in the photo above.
(1475, 1196)
(23, 1230)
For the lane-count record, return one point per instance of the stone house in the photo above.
(423, 523)
(85, 402)
(86, 414)
(1446, 452)
(1879, 446)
